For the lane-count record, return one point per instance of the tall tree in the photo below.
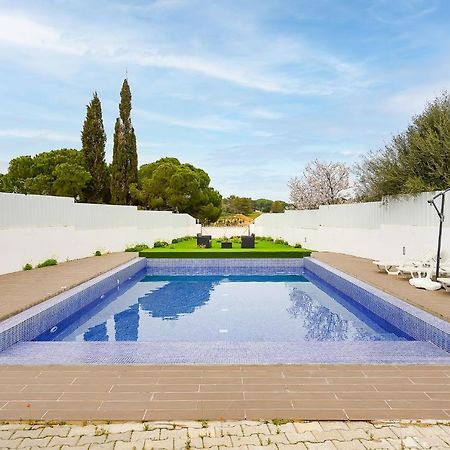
(93, 140)
(167, 184)
(124, 168)
(414, 161)
(320, 184)
(278, 206)
(263, 205)
(237, 205)
(58, 172)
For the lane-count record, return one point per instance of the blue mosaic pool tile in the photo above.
(419, 324)
(223, 352)
(34, 321)
(226, 266)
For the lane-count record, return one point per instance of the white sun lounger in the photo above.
(425, 282)
(415, 271)
(390, 266)
(393, 267)
(445, 283)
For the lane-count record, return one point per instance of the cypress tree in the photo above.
(124, 168)
(93, 140)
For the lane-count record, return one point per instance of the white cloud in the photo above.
(47, 135)
(210, 123)
(151, 6)
(256, 69)
(399, 12)
(413, 100)
(150, 144)
(262, 113)
(223, 71)
(263, 134)
(22, 31)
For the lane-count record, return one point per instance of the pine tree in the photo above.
(124, 168)
(93, 140)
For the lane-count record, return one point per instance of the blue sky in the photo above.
(249, 90)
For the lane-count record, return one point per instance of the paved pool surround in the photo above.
(430, 347)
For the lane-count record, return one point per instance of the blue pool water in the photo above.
(284, 308)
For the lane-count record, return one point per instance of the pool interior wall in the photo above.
(430, 345)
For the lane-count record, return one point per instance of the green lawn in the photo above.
(263, 249)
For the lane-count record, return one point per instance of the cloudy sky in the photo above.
(249, 90)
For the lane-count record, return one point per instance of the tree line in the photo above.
(246, 205)
(413, 161)
(84, 174)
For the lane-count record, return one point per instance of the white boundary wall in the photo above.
(220, 232)
(34, 228)
(386, 229)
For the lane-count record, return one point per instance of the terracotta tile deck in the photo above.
(435, 302)
(307, 392)
(20, 290)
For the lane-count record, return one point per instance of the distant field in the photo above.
(188, 249)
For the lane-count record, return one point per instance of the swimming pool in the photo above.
(249, 308)
(252, 311)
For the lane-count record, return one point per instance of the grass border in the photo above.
(225, 253)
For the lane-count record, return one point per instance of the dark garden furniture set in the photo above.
(205, 241)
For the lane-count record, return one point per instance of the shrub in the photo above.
(137, 248)
(280, 241)
(236, 240)
(264, 238)
(98, 253)
(27, 266)
(298, 245)
(181, 239)
(160, 244)
(47, 262)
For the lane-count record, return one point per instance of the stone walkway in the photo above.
(435, 302)
(273, 435)
(20, 290)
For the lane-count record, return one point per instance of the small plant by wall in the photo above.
(160, 244)
(182, 239)
(137, 248)
(27, 266)
(47, 263)
(98, 253)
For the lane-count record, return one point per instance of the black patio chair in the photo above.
(204, 240)
(248, 241)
